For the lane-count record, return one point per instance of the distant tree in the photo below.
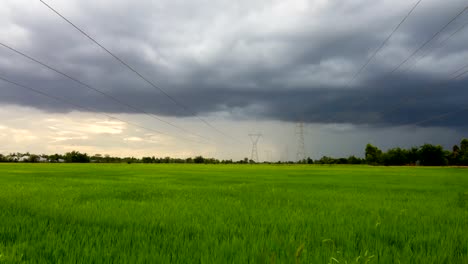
(354, 160)
(56, 157)
(432, 155)
(326, 160)
(97, 158)
(33, 158)
(199, 159)
(243, 161)
(302, 161)
(310, 161)
(128, 160)
(147, 160)
(211, 161)
(413, 155)
(455, 157)
(373, 155)
(463, 153)
(395, 157)
(341, 161)
(107, 158)
(76, 157)
(464, 145)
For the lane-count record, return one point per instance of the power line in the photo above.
(429, 91)
(429, 40)
(441, 116)
(459, 70)
(462, 27)
(383, 43)
(116, 100)
(136, 72)
(455, 75)
(441, 45)
(88, 109)
(416, 51)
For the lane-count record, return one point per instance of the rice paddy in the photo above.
(136, 213)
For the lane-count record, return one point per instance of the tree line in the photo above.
(425, 155)
(78, 157)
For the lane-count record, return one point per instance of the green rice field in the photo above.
(136, 213)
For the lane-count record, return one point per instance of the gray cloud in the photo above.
(261, 59)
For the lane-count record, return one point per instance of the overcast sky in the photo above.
(241, 66)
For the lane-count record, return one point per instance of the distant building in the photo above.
(12, 158)
(24, 159)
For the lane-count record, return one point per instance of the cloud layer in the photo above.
(271, 60)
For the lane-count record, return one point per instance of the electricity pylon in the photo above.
(255, 138)
(301, 154)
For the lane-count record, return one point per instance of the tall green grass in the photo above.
(97, 213)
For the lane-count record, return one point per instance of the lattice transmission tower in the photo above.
(255, 138)
(301, 153)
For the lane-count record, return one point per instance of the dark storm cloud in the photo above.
(259, 59)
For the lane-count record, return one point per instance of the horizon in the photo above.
(198, 83)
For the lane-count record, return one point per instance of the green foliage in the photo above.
(354, 160)
(33, 158)
(373, 155)
(326, 160)
(329, 160)
(426, 155)
(119, 213)
(147, 160)
(464, 145)
(413, 156)
(76, 157)
(433, 155)
(395, 157)
(56, 158)
(199, 159)
(463, 153)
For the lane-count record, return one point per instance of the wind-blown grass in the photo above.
(96, 213)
